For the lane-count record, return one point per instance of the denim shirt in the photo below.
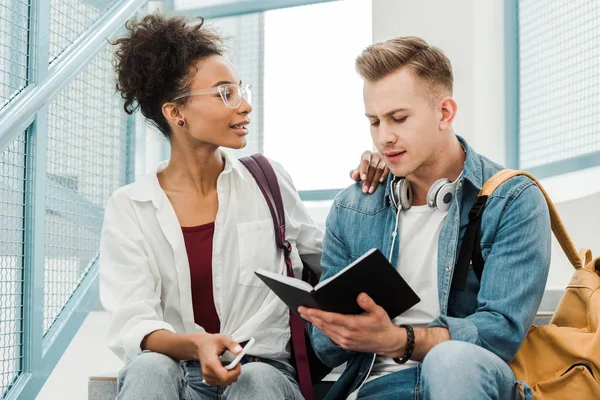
(515, 241)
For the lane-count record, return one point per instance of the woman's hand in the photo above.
(209, 347)
(372, 170)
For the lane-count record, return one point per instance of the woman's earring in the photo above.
(180, 122)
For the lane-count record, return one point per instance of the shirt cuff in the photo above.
(132, 341)
(459, 328)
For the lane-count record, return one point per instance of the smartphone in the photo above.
(245, 347)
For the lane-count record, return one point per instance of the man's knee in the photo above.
(455, 369)
(151, 368)
(467, 360)
(453, 355)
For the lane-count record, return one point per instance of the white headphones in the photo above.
(440, 194)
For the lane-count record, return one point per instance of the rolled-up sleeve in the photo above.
(127, 285)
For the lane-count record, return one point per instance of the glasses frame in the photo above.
(245, 93)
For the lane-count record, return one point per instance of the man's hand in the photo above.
(209, 347)
(372, 170)
(370, 332)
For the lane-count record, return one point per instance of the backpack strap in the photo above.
(261, 170)
(264, 175)
(471, 246)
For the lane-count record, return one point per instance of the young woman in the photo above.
(179, 247)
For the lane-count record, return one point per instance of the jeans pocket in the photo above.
(192, 373)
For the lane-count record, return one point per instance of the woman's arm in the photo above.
(202, 346)
(127, 286)
(127, 292)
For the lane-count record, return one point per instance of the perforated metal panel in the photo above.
(86, 162)
(12, 233)
(14, 32)
(69, 19)
(559, 60)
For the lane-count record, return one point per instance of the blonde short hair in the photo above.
(428, 63)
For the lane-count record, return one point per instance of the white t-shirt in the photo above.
(420, 228)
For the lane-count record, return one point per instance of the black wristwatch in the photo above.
(410, 344)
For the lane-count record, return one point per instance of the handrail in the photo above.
(241, 7)
(19, 113)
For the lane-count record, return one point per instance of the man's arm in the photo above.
(425, 340)
(513, 280)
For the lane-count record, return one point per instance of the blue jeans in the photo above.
(451, 370)
(152, 376)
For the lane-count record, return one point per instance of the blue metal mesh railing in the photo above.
(86, 162)
(69, 19)
(12, 232)
(64, 149)
(14, 31)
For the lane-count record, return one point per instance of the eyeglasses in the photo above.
(231, 94)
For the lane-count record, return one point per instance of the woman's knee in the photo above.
(151, 368)
(260, 374)
(258, 377)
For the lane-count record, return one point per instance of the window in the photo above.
(308, 111)
(559, 90)
(313, 106)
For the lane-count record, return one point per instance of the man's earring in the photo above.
(180, 122)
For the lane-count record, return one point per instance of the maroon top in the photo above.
(198, 245)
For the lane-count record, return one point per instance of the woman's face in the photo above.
(207, 118)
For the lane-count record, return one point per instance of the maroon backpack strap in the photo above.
(264, 175)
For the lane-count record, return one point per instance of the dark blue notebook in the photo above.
(371, 273)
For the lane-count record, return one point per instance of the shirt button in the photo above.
(217, 254)
(448, 268)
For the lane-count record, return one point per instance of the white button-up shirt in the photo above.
(145, 274)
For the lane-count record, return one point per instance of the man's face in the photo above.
(404, 120)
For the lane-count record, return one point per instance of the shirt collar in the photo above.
(472, 170)
(147, 188)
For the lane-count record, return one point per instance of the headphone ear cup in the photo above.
(445, 196)
(406, 195)
(395, 193)
(434, 190)
(401, 194)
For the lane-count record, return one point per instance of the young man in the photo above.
(454, 344)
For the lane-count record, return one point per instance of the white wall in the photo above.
(471, 32)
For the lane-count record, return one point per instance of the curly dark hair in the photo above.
(156, 62)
